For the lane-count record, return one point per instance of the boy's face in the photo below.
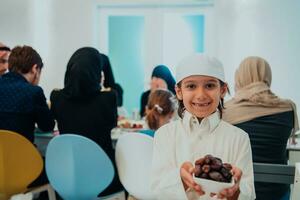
(201, 94)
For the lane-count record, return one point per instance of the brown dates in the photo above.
(212, 168)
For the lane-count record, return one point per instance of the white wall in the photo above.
(268, 28)
(15, 22)
(55, 28)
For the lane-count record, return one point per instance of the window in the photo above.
(137, 38)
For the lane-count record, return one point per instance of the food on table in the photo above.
(130, 125)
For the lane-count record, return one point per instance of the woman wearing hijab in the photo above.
(268, 119)
(81, 108)
(109, 80)
(161, 78)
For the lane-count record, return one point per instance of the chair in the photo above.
(133, 158)
(77, 167)
(20, 164)
(278, 173)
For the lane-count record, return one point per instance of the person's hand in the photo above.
(186, 173)
(231, 193)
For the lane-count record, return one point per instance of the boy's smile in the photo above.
(200, 94)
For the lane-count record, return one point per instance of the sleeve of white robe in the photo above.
(244, 162)
(165, 175)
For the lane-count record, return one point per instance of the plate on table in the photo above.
(130, 125)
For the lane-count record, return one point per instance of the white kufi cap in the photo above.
(199, 64)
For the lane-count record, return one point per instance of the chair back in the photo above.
(77, 167)
(278, 173)
(133, 158)
(20, 163)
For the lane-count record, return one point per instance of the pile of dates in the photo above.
(212, 168)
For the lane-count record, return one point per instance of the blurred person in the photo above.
(22, 102)
(122, 112)
(268, 119)
(81, 108)
(109, 80)
(161, 78)
(108, 84)
(159, 110)
(4, 54)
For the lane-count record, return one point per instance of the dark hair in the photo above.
(83, 74)
(119, 92)
(161, 103)
(109, 80)
(23, 58)
(181, 107)
(4, 48)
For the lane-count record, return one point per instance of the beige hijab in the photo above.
(253, 96)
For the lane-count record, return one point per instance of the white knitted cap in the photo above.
(199, 64)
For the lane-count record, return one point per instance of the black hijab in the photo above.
(83, 74)
(109, 80)
(163, 72)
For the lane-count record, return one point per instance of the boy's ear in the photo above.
(224, 90)
(178, 92)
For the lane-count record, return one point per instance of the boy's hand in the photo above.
(233, 192)
(186, 173)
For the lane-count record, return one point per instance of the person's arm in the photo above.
(245, 164)
(43, 116)
(166, 182)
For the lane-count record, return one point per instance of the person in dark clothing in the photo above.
(22, 102)
(109, 84)
(109, 80)
(161, 78)
(81, 108)
(267, 119)
(119, 91)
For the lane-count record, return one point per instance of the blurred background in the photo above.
(137, 35)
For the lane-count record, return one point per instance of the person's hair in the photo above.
(181, 107)
(160, 103)
(119, 92)
(23, 58)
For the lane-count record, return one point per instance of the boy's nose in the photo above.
(201, 93)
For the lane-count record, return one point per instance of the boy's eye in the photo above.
(190, 86)
(210, 85)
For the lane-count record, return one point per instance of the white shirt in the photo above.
(187, 140)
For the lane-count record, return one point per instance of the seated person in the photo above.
(122, 112)
(109, 80)
(22, 101)
(81, 108)
(4, 54)
(108, 84)
(268, 119)
(161, 78)
(159, 110)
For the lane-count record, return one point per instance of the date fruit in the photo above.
(212, 168)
